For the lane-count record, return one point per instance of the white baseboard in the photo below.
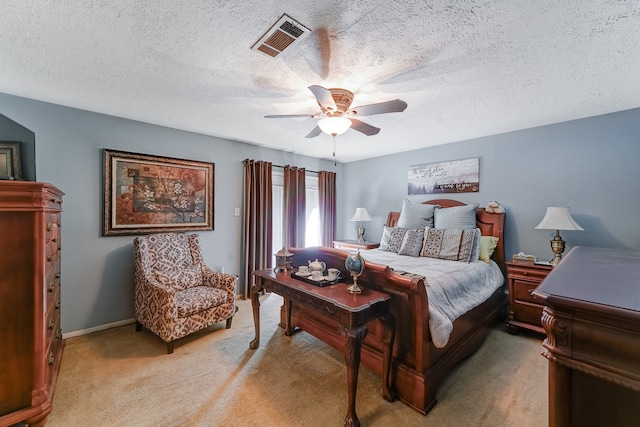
(98, 328)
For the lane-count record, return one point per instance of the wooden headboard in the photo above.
(490, 224)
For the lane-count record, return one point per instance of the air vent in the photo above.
(284, 34)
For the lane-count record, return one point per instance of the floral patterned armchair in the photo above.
(175, 292)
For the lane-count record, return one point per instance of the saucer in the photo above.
(318, 279)
(307, 274)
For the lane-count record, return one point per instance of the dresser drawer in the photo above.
(528, 313)
(522, 291)
(524, 273)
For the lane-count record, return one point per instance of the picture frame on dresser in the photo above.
(10, 165)
(145, 194)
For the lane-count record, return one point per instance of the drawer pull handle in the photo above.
(526, 273)
(51, 323)
(531, 291)
(52, 358)
(51, 287)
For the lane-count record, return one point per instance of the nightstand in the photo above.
(524, 310)
(354, 245)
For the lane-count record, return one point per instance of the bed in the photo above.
(419, 363)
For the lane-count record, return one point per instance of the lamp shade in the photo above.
(558, 218)
(361, 215)
(334, 125)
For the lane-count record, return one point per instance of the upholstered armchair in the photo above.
(175, 292)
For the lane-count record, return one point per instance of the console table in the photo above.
(352, 311)
(592, 321)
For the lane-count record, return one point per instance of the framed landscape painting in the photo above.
(150, 194)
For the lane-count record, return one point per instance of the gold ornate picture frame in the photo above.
(152, 194)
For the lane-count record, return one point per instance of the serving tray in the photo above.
(321, 283)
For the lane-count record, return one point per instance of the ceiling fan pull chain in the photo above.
(334, 150)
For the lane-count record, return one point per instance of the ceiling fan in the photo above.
(336, 117)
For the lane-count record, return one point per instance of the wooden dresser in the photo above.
(592, 321)
(30, 333)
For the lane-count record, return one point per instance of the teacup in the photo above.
(316, 275)
(303, 269)
(333, 273)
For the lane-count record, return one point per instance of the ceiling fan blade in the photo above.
(288, 116)
(314, 132)
(364, 127)
(324, 97)
(395, 106)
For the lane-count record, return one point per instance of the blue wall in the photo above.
(590, 165)
(97, 284)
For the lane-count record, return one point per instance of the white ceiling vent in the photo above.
(285, 33)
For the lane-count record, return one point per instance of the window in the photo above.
(312, 236)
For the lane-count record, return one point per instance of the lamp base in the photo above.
(557, 246)
(354, 288)
(361, 234)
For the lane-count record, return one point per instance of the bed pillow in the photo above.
(448, 244)
(416, 215)
(391, 240)
(412, 243)
(487, 246)
(456, 217)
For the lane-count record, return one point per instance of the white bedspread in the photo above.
(453, 287)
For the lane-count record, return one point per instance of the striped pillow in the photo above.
(448, 244)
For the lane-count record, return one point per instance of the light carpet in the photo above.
(118, 377)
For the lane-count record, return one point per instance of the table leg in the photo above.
(355, 336)
(255, 304)
(288, 331)
(388, 336)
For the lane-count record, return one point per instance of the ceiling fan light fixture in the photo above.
(334, 125)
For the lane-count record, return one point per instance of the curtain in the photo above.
(257, 231)
(327, 202)
(295, 206)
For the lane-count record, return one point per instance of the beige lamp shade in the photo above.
(361, 215)
(558, 218)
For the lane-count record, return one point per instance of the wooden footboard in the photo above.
(418, 366)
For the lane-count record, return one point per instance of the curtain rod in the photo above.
(282, 167)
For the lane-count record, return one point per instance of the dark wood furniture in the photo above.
(354, 245)
(30, 334)
(418, 366)
(351, 311)
(524, 310)
(592, 321)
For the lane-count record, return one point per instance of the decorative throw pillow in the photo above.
(487, 246)
(392, 239)
(456, 217)
(416, 215)
(475, 253)
(180, 279)
(448, 244)
(384, 240)
(412, 243)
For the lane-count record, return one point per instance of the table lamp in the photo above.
(557, 218)
(361, 215)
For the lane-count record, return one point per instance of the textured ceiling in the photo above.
(466, 68)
